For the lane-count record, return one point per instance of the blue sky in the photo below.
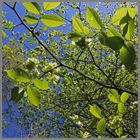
(14, 130)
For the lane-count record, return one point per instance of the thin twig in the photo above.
(63, 65)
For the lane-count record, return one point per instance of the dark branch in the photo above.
(60, 63)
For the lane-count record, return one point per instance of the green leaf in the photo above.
(86, 30)
(103, 37)
(41, 84)
(127, 55)
(101, 126)
(125, 19)
(78, 26)
(113, 32)
(33, 95)
(74, 36)
(125, 136)
(50, 5)
(118, 15)
(31, 19)
(124, 97)
(3, 34)
(95, 110)
(115, 39)
(119, 131)
(32, 7)
(114, 42)
(121, 108)
(93, 18)
(52, 20)
(114, 96)
(93, 123)
(18, 75)
(128, 29)
(132, 11)
(16, 95)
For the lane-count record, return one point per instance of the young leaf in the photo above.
(119, 14)
(93, 18)
(114, 96)
(127, 55)
(31, 19)
(93, 123)
(132, 11)
(86, 30)
(32, 7)
(50, 5)
(95, 110)
(77, 25)
(114, 42)
(119, 131)
(74, 36)
(18, 75)
(41, 84)
(124, 97)
(125, 136)
(52, 20)
(113, 32)
(125, 19)
(121, 108)
(110, 40)
(128, 29)
(103, 38)
(33, 95)
(101, 126)
(3, 34)
(15, 95)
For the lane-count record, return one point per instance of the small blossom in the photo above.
(73, 43)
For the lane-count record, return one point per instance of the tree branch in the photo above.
(101, 69)
(60, 63)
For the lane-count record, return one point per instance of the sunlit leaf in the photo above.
(52, 20)
(125, 19)
(41, 84)
(121, 108)
(86, 30)
(128, 29)
(124, 136)
(33, 95)
(101, 126)
(93, 18)
(16, 95)
(18, 75)
(119, 131)
(3, 34)
(74, 36)
(31, 19)
(32, 7)
(114, 96)
(113, 32)
(50, 5)
(132, 11)
(124, 97)
(95, 110)
(127, 55)
(78, 26)
(118, 15)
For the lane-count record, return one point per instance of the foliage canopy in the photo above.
(80, 83)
